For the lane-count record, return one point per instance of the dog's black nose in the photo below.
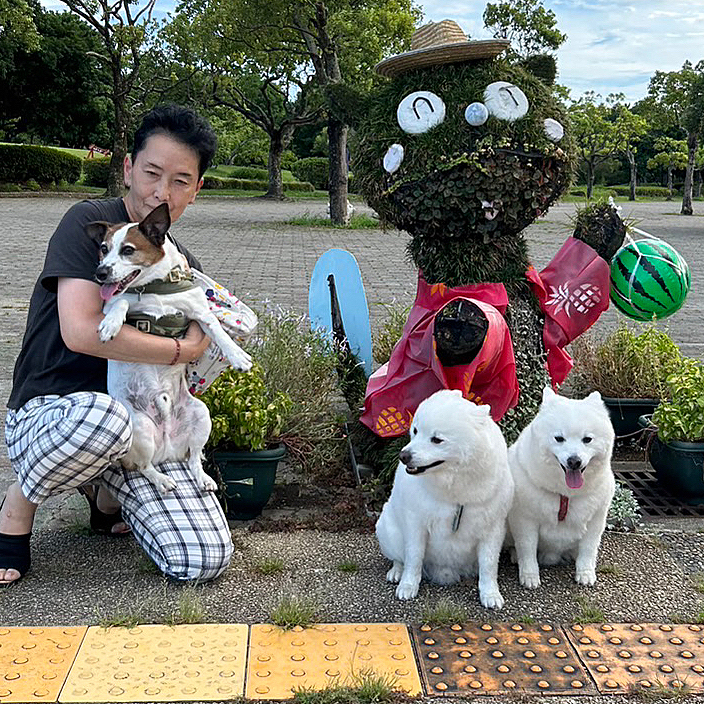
(101, 273)
(574, 462)
(405, 456)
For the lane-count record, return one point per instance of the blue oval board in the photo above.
(352, 301)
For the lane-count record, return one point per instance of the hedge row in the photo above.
(23, 162)
(251, 184)
(95, 171)
(644, 191)
(315, 169)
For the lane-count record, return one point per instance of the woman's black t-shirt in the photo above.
(45, 365)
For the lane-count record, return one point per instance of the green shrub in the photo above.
(644, 191)
(20, 163)
(250, 184)
(626, 364)
(245, 414)
(390, 331)
(314, 169)
(95, 171)
(681, 417)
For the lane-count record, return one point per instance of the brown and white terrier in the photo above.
(144, 276)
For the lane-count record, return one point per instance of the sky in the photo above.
(613, 46)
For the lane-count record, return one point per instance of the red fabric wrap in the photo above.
(414, 371)
(573, 291)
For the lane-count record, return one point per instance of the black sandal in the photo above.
(100, 522)
(14, 554)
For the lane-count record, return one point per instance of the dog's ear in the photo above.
(155, 226)
(595, 397)
(484, 409)
(96, 230)
(548, 394)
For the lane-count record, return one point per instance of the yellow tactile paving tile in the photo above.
(34, 662)
(642, 656)
(499, 658)
(281, 662)
(159, 663)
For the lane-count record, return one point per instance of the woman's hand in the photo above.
(194, 344)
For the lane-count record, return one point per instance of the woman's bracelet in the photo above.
(177, 354)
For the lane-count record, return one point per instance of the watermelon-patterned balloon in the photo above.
(649, 279)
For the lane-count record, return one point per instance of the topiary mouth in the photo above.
(496, 194)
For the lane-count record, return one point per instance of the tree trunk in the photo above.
(116, 185)
(634, 174)
(337, 139)
(692, 144)
(669, 183)
(276, 150)
(698, 183)
(590, 180)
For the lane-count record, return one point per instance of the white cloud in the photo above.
(605, 51)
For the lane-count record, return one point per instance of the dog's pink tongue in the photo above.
(574, 478)
(107, 290)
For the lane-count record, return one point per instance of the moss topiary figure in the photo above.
(464, 150)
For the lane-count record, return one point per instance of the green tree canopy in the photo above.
(529, 27)
(52, 93)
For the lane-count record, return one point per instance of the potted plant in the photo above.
(243, 450)
(676, 450)
(628, 368)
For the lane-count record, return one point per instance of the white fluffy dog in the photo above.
(446, 516)
(561, 466)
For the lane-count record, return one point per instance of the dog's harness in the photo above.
(564, 505)
(173, 325)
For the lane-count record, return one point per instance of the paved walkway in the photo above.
(79, 580)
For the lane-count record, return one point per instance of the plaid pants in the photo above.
(58, 443)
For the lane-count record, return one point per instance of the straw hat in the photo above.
(440, 43)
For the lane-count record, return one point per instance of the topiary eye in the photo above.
(476, 114)
(420, 112)
(505, 101)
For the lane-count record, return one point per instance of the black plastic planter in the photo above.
(249, 478)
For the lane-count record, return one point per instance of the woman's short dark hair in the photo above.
(182, 124)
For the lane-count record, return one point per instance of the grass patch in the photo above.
(442, 613)
(526, 620)
(189, 607)
(348, 567)
(609, 569)
(366, 687)
(357, 222)
(120, 619)
(272, 565)
(293, 611)
(590, 612)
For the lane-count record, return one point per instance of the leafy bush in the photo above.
(644, 191)
(314, 169)
(302, 364)
(20, 163)
(95, 171)
(390, 331)
(625, 364)
(681, 416)
(624, 511)
(250, 184)
(246, 415)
